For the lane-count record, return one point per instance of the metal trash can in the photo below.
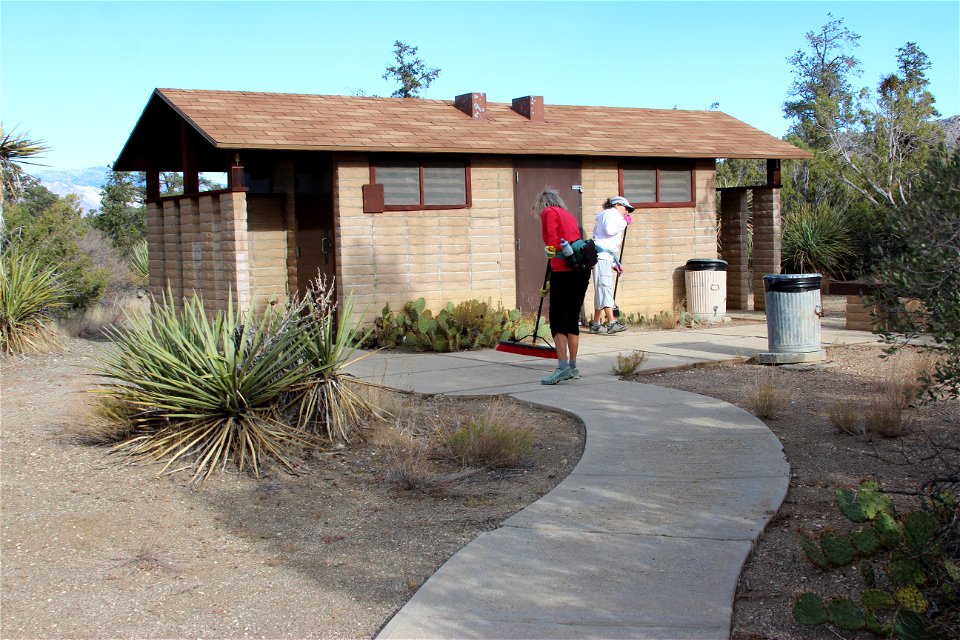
(706, 280)
(794, 309)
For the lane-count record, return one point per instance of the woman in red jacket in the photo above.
(567, 285)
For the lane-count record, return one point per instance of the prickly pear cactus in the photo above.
(809, 609)
(910, 598)
(865, 542)
(877, 600)
(846, 614)
(837, 549)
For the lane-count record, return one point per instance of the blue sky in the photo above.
(77, 75)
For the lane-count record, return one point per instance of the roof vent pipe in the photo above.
(472, 104)
(530, 107)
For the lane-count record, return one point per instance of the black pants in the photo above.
(567, 289)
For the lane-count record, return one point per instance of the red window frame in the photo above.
(468, 197)
(657, 166)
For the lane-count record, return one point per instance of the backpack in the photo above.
(584, 255)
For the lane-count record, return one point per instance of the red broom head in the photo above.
(530, 350)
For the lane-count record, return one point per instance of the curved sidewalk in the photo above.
(647, 536)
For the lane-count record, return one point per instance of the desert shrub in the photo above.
(494, 440)
(627, 364)
(845, 418)
(326, 400)
(94, 321)
(885, 415)
(207, 389)
(52, 230)
(816, 239)
(665, 320)
(909, 566)
(766, 398)
(31, 294)
(919, 260)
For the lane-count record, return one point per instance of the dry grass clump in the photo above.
(665, 320)
(886, 416)
(845, 418)
(495, 440)
(411, 472)
(628, 364)
(767, 399)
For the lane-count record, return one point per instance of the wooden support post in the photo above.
(191, 177)
(773, 173)
(153, 184)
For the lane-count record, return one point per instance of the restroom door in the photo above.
(531, 176)
(316, 243)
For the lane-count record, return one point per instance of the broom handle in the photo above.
(536, 327)
(623, 245)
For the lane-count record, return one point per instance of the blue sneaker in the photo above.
(574, 373)
(558, 375)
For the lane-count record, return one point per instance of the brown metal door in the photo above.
(532, 175)
(316, 243)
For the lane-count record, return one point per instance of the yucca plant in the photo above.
(206, 388)
(139, 262)
(329, 401)
(816, 240)
(30, 295)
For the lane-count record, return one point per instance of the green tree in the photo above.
(411, 72)
(122, 213)
(899, 132)
(920, 261)
(51, 227)
(15, 149)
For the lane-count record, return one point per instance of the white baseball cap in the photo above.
(623, 201)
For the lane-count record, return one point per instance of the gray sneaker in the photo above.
(558, 375)
(616, 327)
(596, 328)
(574, 373)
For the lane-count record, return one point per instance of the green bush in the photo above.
(50, 228)
(919, 274)
(30, 295)
(816, 239)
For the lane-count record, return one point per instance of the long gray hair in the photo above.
(549, 197)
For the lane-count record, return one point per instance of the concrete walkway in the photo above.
(647, 536)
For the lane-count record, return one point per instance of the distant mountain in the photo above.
(84, 183)
(951, 127)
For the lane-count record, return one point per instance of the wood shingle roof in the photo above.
(283, 121)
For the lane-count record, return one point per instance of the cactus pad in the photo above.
(911, 599)
(919, 528)
(814, 554)
(906, 571)
(877, 600)
(846, 614)
(837, 549)
(887, 530)
(808, 609)
(865, 542)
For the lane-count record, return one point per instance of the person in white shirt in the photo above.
(608, 238)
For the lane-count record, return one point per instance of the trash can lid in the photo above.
(706, 264)
(791, 282)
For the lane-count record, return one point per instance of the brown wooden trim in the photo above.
(773, 173)
(212, 192)
(657, 164)
(188, 155)
(153, 185)
(467, 175)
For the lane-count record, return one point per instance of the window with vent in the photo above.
(664, 183)
(413, 184)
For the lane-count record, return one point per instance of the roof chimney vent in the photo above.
(472, 104)
(530, 107)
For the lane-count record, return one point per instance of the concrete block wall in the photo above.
(267, 249)
(735, 214)
(198, 245)
(658, 243)
(443, 255)
(767, 230)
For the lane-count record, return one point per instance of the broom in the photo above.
(623, 244)
(533, 350)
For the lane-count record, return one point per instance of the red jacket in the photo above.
(558, 223)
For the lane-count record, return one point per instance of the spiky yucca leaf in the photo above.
(30, 293)
(328, 399)
(139, 262)
(207, 387)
